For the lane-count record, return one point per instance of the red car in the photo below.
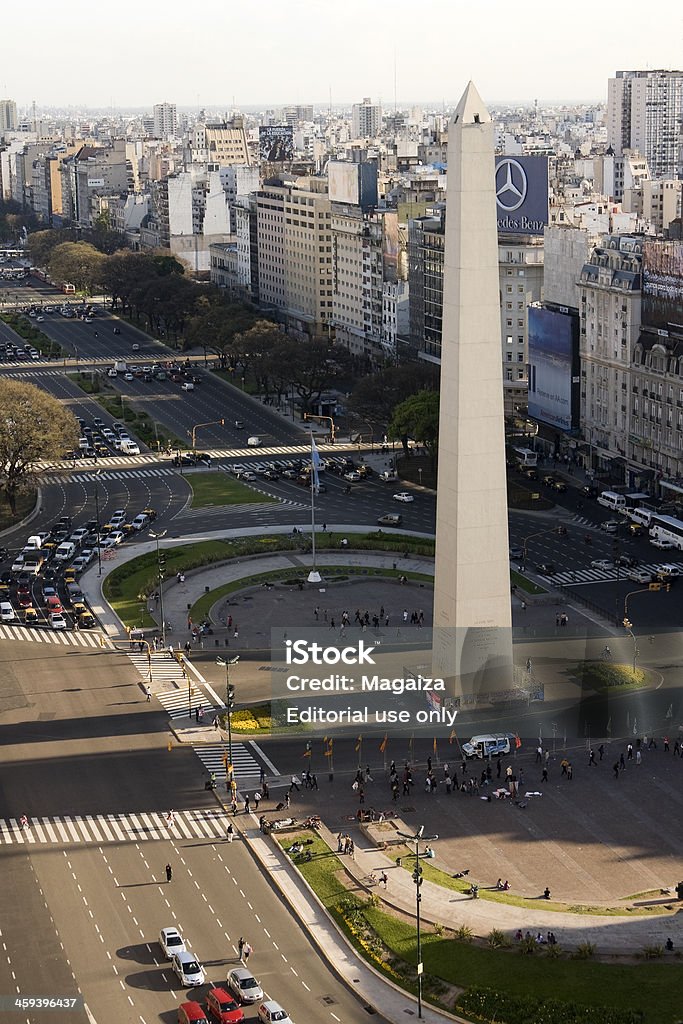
(25, 600)
(222, 1007)
(53, 604)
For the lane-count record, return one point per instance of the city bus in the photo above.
(525, 457)
(668, 529)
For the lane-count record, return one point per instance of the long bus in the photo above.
(667, 528)
(525, 457)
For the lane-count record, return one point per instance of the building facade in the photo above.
(520, 268)
(366, 119)
(644, 112)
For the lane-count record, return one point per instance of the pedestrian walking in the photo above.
(287, 800)
(170, 819)
(340, 843)
(544, 774)
(196, 715)
(615, 769)
(257, 801)
(383, 879)
(294, 784)
(539, 754)
(622, 763)
(601, 751)
(265, 792)
(639, 758)
(233, 805)
(666, 744)
(570, 771)
(169, 872)
(246, 804)
(148, 694)
(230, 833)
(591, 759)
(316, 612)
(240, 946)
(23, 821)
(246, 952)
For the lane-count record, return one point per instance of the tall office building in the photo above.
(8, 116)
(165, 120)
(645, 112)
(366, 119)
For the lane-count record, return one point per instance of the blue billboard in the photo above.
(522, 194)
(553, 367)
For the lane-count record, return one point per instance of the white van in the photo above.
(65, 552)
(642, 516)
(488, 746)
(35, 542)
(254, 442)
(127, 447)
(610, 499)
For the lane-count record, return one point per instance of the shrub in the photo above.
(584, 951)
(486, 1004)
(464, 933)
(653, 952)
(497, 939)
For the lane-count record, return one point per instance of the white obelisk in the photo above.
(472, 618)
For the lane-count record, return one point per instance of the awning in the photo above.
(672, 485)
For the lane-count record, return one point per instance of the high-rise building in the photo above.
(295, 252)
(366, 119)
(165, 120)
(8, 116)
(645, 112)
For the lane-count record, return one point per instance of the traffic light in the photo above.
(417, 875)
(667, 586)
(161, 562)
(231, 698)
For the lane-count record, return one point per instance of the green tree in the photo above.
(215, 323)
(78, 263)
(42, 243)
(376, 395)
(417, 418)
(313, 367)
(123, 273)
(33, 426)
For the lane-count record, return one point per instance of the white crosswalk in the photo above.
(251, 509)
(149, 458)
(121, 474)
(60, 637)
(185, 702)
(245, 766)
(131, 827)
(580, 576)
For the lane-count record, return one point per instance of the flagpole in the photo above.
(314, 575)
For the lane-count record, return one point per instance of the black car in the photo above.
(117, 330)
(625, 561)
(270, 474)
(590, 490)
(546, 568)
(517, 553)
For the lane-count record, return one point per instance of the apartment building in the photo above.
(8, 116)
(295, 252)
(520, 268)
(165, 120)
(610, 303)
(644, 112)
(219, 144)
(366, 119)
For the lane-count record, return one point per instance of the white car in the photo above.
(57, 621)
(6, 612)
(663, 545)
(189, 970)
(245, 986)
(117, 536)
(136, 347)
(271, 1011)
(171, 941)
(403, 496)
(353, 476)
(128, 376)
(602, 563)
(639, 576)
(667, 569)
(187, 385)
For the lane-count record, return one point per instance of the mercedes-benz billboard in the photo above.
(522, 194)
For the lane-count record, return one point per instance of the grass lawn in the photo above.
(653, 988)
(218, 488)
(524, 584)
(26, 501)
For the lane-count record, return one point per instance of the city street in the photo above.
(78, 740)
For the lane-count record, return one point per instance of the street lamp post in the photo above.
(229, 704)
(97, 521)
(418, 838)
(161, 562)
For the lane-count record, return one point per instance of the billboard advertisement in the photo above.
(276, 143)
(390, 245)
(343, 181)
(553, 367)
(662, 284)
(522, 194)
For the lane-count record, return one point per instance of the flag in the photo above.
(452, 736)
(359, 743)
(328, 752)
(383, 744)
(434, 745)
(315, 464)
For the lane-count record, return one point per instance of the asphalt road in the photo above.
(78, 738)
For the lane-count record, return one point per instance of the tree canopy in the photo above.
(33, 426)
(79, 263)
(418, 418)
(376, 395)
